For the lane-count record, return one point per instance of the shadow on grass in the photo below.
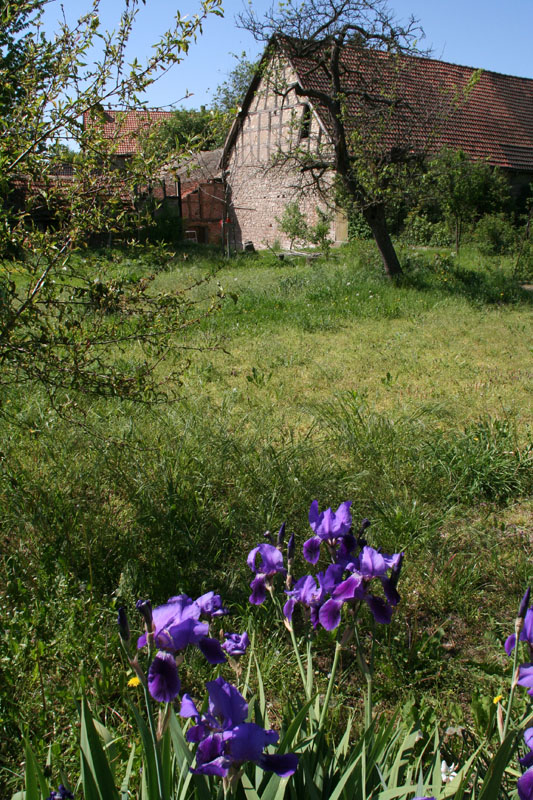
(490, 286)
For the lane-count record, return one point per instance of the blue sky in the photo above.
(491, 34)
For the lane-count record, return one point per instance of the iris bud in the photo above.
(291, 546)
(395, 573)
(281, 535)
(524, 604)
(144, 607)
(123, 626)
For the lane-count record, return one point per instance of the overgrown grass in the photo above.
(412, 400)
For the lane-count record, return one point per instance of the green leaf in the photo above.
(149, 756)
(262, 698)
(490, 790)
(294, 728)
(31, 780)
(344, 780)
(342, 747)
(185, 757)
(90, 789)
(95, 757)
(251, 794)
(124, 789)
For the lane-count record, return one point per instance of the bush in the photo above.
(295, 226)
(524, 264)
(495, 235)
(357, 227)
(418, 229)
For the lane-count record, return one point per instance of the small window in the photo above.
(305, 124)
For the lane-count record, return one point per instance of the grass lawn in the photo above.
(319, 380)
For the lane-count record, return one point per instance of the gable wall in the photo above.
(258, 192)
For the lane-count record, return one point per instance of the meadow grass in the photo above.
(319, 380)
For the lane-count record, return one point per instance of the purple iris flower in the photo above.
(525, 785)
(525, 677)
(372, 564)
(266, 561)
(210, 604)
(163, 679)
(61, 794)
(526, 634)
(527, 760)
(176, 624)
(349, 589)
(236, 644)
(307, 592)
(225, 740)
(327, 526)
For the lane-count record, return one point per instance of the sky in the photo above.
(490, 34)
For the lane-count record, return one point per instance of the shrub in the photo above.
(524, 264)
(418, 229)
(358, 227)
(295, 226)
(495, 235)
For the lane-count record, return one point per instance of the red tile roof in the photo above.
(125, 126)
(495, 122)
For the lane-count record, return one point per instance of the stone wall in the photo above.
(258, 190)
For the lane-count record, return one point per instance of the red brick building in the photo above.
(189, 189)
(202, 195)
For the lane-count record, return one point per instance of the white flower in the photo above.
(448, 773)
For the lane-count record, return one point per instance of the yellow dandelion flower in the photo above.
(497, 699)
(135, 681)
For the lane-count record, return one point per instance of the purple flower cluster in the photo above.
(61, 794)
(525, 620)
(525, 783)
(266, 561)
(524, 630)
(349, 579)
(225, 740)
(172, 627)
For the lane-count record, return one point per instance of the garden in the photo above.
(337, 502)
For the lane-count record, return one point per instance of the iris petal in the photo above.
(312, 550)
(525, 785)
(283, 765)
(258, 587)
(212, 650)
(163, 679)
(330, 614)
(379, 608)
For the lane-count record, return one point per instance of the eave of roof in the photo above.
(494, 123)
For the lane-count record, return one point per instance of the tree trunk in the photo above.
(375, 217)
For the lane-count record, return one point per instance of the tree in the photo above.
(463, 189)
(205, 128)
(230, 93)
(352, 53)
(190, 128)
(62, 324)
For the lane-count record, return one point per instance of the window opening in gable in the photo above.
(305, 123)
